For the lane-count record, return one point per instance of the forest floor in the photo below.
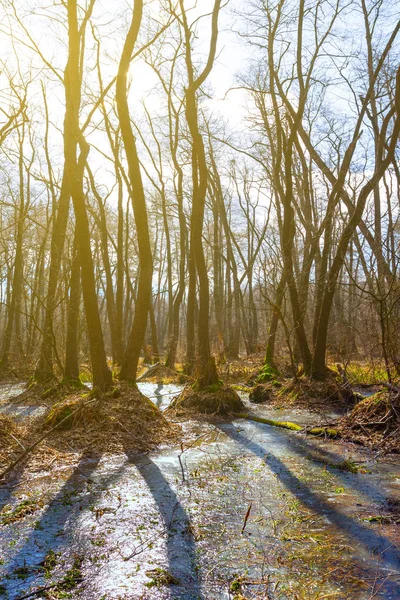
(221, 509)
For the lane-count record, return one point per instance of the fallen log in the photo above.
(153, 371)
(317, 431)
(149, 371)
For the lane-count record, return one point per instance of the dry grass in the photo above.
(306, 393)
(12, 434)
(41, 394)
(303, 392)
(374, 422)
(365, 372)
(19, 371)
(121, 421)
(219, 401)
(239, 371)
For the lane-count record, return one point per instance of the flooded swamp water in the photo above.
(172, 525)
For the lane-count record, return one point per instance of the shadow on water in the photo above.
(56, 526)
(321, 456)
(8, 486)
(161, 394)
(59, 527)
(377, 545)
(180, 545)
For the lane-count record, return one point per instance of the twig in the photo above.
(144, 545)
(180, 462)
(149, 371)
(38, 591)
(246, 517)
(158, 365)
(18, 442)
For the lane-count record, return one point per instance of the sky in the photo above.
(112, 20)
(232, 58)
(227, 103)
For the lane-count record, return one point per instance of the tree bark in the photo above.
(138, 330)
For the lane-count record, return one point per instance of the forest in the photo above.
(200, 299)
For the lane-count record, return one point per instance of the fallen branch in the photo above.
(318, 431)
(38, 591)
(149, 371)
(154, 368)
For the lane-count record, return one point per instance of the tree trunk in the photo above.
(71, 371)
(74, 170)
(138, 330)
